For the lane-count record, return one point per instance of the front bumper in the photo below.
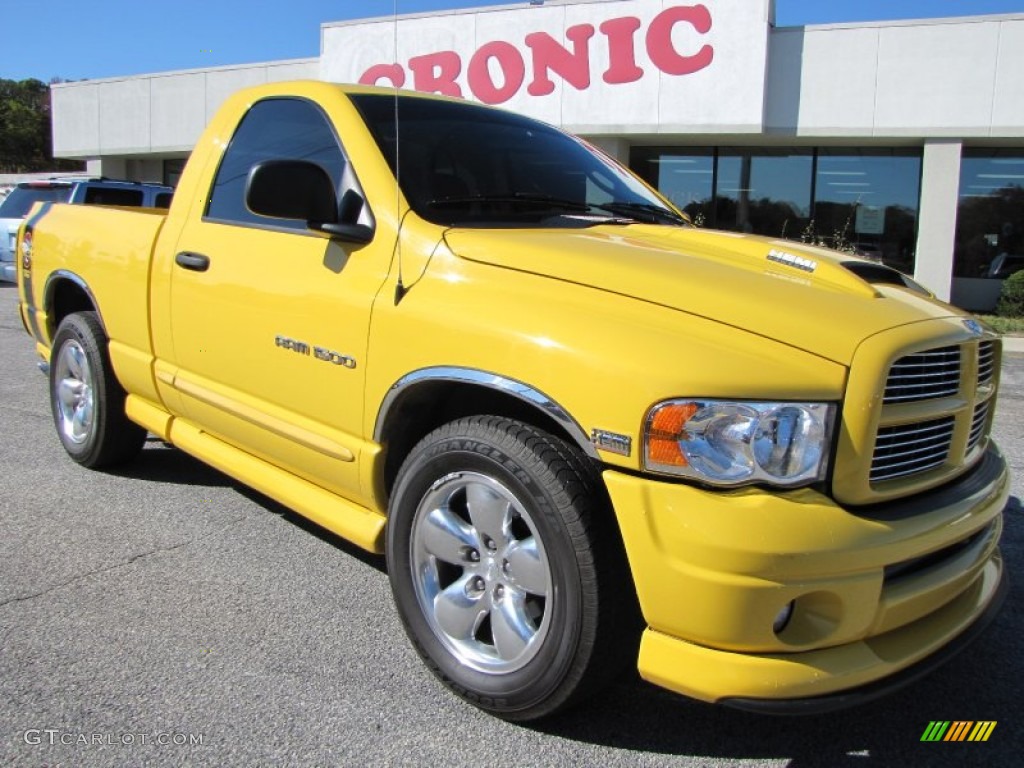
(874, 593)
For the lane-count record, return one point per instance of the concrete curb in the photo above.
(1013, 344)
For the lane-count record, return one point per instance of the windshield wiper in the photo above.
(637, 212)
(517, 198)
(651, 214)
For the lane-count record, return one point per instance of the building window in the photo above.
(686, 177)
(765, 191)
(172, 171)
(990, 214)
(863, 200)
(867, 200)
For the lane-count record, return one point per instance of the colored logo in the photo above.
(973, 326)
(958, 730)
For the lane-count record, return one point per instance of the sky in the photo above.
(75, 40)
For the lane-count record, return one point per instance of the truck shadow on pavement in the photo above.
(346, 547)
(981, 683)
(163, 463)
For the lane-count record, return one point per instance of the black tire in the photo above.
(86, 399)
(519, 628)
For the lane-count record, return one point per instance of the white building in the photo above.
(902, 139)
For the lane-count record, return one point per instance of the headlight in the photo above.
(732, 443)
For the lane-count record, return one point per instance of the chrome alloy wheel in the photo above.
(75, 395)
(480, 572)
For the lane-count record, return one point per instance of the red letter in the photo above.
(436, 73)
(573, 67)
(512, 67)
(392, 72)
(659, 40)
(622, 66)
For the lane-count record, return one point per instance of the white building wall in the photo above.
(153, 114)
(76, 119)
(177, 109)
(918, 79)
(936, 231)
(1008, 106)
(725, 95)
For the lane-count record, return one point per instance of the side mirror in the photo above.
(298, 189)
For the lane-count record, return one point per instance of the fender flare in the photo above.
(486, 380)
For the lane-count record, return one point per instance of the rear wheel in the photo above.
(86, 399)
(501, 578)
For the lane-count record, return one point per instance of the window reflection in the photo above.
(990, 214)
(860, 200)
(687, 180)
(764, 191)
(867, 201)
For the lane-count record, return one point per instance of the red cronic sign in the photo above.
(438, 72)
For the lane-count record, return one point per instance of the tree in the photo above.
(25, 128)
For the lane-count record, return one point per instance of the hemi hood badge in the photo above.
(792, 260)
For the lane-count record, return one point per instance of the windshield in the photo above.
(467, 165)
(18, 203)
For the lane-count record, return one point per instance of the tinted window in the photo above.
(469, 165)
(856, 200)
(17, 204)
(990, 214)
(163, 200)
(764, 190)
(274, 129)
(684, 176)
(113, 196)
(867, 200)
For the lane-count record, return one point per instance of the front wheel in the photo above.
(506, 579)
(86, 399)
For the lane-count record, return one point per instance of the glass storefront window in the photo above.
(686, 180)
(990, 214)
(867, 201)
(861, 200)
(765, 191)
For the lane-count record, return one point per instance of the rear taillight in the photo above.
(26, 250)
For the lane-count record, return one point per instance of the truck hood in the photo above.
(809, 298)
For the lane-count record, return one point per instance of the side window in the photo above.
(113, 196)
(273, 129)
(163, 200)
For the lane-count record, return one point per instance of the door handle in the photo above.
(197, 262)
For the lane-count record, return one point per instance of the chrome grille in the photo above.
(924, 376)
(909, 449)
(977, 424)
(918, 418)
(986, 362)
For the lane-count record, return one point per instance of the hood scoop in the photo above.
(879, 274)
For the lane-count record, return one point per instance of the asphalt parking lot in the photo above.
(165, 615)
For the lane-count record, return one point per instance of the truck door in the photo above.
(270, 320)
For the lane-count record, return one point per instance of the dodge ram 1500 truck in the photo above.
(470, 341)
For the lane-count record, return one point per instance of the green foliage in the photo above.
(25, 143)
(839, 241)
(1010, 325)
(1011, 300)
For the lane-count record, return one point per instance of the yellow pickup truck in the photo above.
(585, 433)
